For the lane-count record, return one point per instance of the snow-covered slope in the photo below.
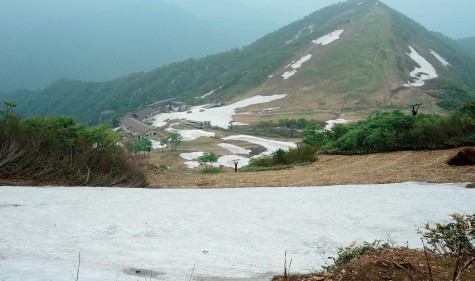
(220, 233)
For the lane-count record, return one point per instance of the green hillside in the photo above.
(467, 45)
(367, 64)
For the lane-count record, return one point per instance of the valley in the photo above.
(338, 127)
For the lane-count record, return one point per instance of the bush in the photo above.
(392, 131)
(211, 171)
(353, 252)
(58, 150)
(454, 238)
(293, 156)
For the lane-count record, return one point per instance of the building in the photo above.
(137, 128)
(176, 106)
(138, 123)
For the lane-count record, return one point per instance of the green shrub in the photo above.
(211, 171)
(454, 238)
(159, 168)
(280, 157)
(392, 131)
(353, 252)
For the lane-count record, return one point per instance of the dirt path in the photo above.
(421, 166)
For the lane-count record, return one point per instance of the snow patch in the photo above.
(332, 123)
(234, 148)
(189, 135)
(420, 74)
(270, 145)
(296, 65)
(329, 38)
(157, 145)
(192, 164)
(228, 161)
(440, 58)
(218, 116)
(191, 155)
(207, 94)
(289, 74)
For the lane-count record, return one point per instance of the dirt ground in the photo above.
(394, 167)
(396, 264)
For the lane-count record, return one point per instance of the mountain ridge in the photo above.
(348, 70)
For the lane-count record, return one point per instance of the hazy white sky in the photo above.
(454, 18)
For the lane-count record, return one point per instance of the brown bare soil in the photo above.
(397, 264)
(394, 167)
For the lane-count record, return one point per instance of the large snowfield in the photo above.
(218, 116)
(224, 234)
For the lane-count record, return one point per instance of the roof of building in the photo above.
(136, 125)
(160, 103)
(177, 103)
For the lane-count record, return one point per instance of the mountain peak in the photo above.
(349, 58)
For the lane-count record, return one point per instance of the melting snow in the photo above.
(227, 161)
(234, 148)
(425, 72)
(157, 145)
(192, 164)
(218, 116)
(189, 135)
(270, 145)
(332, 123)
(289, 74)
(329, 38)
(221, 233)
(208, 94)
(295, 66)
(440, 58)
(191, 155)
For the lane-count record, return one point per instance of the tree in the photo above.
(175, 139)
(208, 157)
(141, 145)
(315, 135)
(163, 143)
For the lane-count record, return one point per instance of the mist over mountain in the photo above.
(468, 45)
(377, 59)
(101, 40)
(44, 41)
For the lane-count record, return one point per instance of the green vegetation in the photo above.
(281, 159)
(211, 171)
(59, 150)
(284, 128)
(379, 43)
(453, 238)
(467, 45)
(392, 131)
(175, 139)
(451, 94)
(345, 255)
(208, 157)
(138, 146)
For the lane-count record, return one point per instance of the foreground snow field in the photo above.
(224, 234)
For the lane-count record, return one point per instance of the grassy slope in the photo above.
(371, 61)
(423, 166)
